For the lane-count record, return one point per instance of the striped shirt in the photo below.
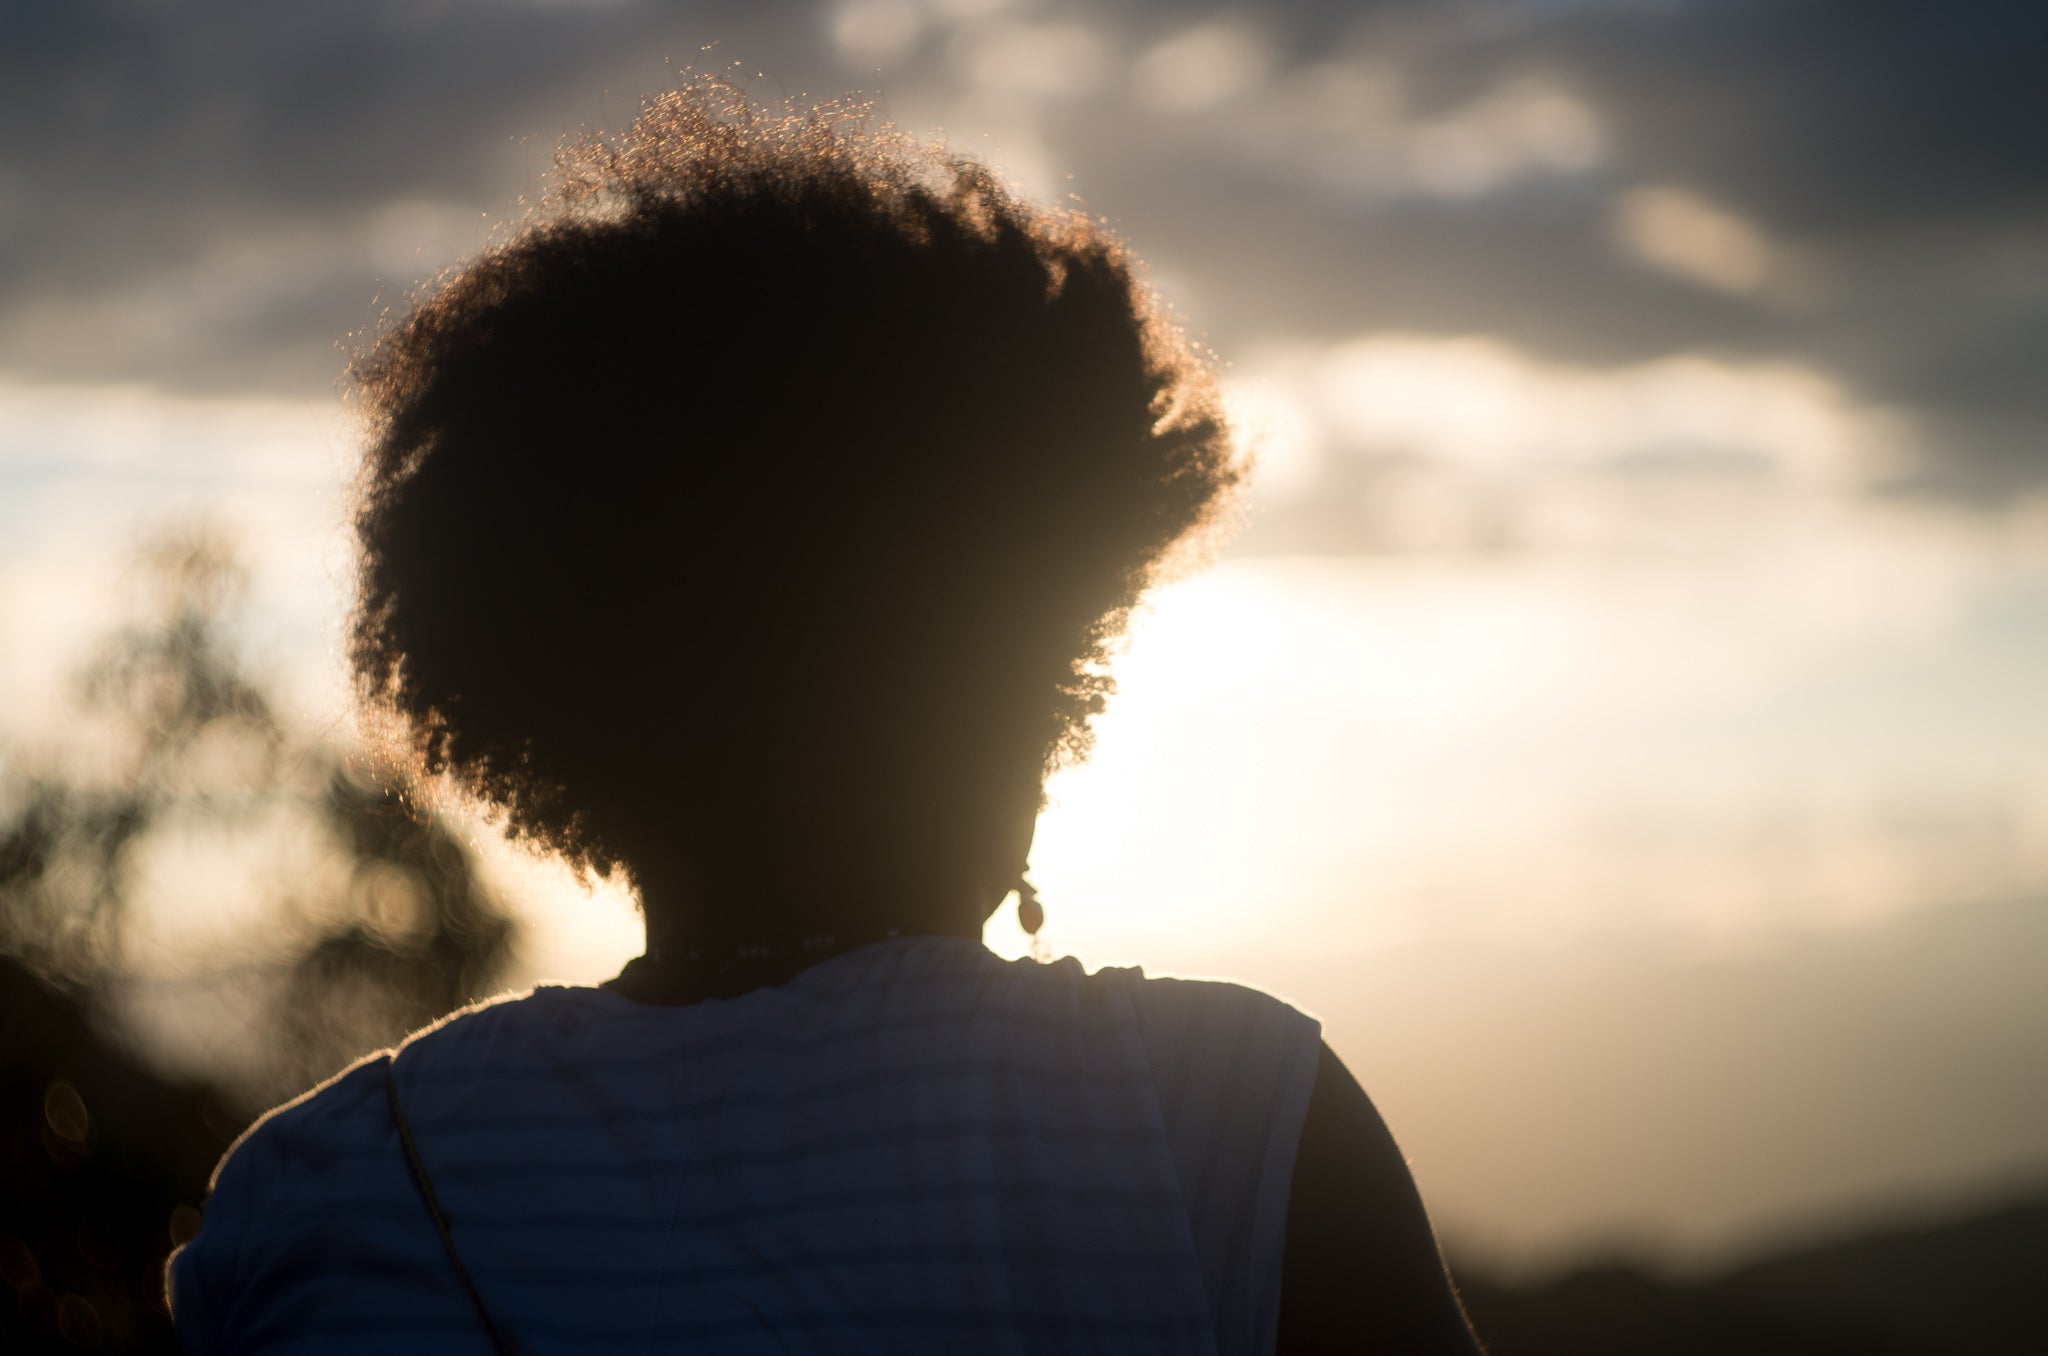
(912, 1147)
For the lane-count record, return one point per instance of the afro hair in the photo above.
(777, 486)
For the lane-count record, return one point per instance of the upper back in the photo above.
(913, 1147)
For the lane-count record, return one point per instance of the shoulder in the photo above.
(1194, 994)
(303, 1140)
(1233, 1068)
(1215, 1020)
(508, 1020)
(306, 1131)
(1223, 1023)
(1219, 1048)
(311, 1129)
(297, 1159)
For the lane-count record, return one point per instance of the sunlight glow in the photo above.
(1312, 757)
(1282, 436)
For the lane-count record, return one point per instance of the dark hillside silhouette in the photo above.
(105, 1164)
(1969, 1285)
(1965, 1285)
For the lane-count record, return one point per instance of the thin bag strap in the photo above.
(433, 1203)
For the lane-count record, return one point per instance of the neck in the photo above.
(678, 969)
(672, 942)
(794, 909)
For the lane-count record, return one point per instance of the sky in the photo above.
(1619, 716)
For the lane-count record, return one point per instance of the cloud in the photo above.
(1897, 151)
(877, 30)
(1199, 68)
(209, 199)
(1830, 119)
(1040, 61)
(197, 197)
(1852, 188)
(1398, 444)
(1683, 234)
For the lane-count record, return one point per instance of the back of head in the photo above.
(756, 517)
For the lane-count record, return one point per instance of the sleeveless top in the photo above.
(913, 1147)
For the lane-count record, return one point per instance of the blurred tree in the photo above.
(163, 700)
(423, 935)
(375, 924)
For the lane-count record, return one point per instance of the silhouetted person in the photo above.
(755, 523)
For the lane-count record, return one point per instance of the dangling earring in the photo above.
(1031, 917)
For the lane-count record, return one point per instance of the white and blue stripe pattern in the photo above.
(914, 1147)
